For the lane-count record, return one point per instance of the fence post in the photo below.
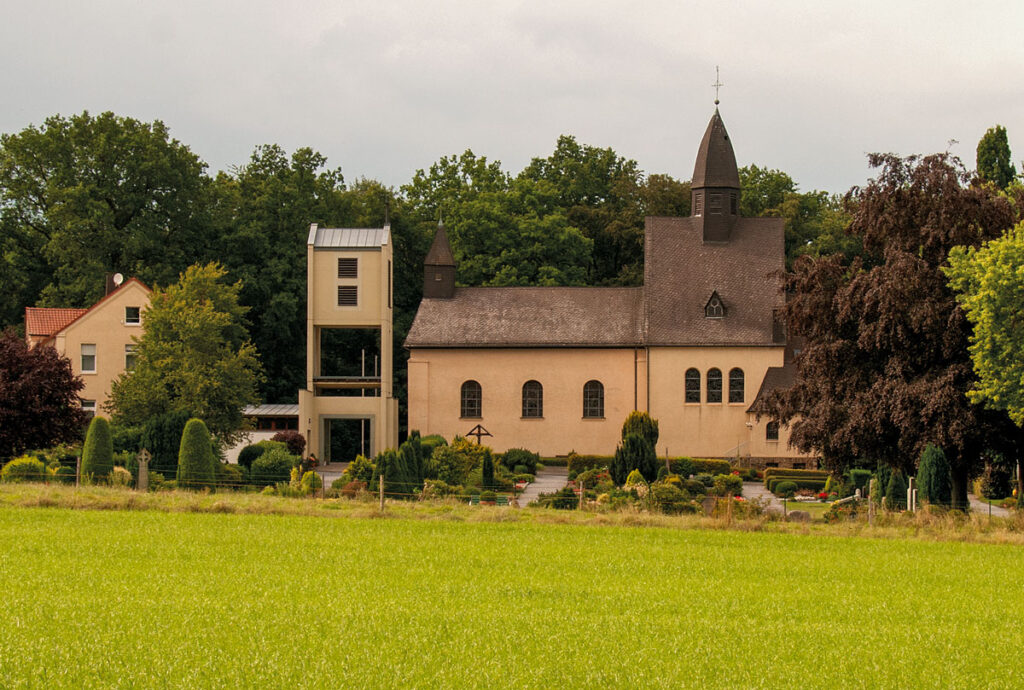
(911, 495)
(871, 501)
(581, 493)
(381, 489)
(78, 470)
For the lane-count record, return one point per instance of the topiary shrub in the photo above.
(785, 489)
(681, 466)
(634, 453)
(694, 487)
(859, 478)
(295, 441)
(359, 470)
(488, 497)
(641, 424)
(896, 491)
(728, 485)
(520, 457)
(98, 452)
(196, 468)
(934, 483)
(710, 466)
(249, 454)
(705, 479)
(311, 481)
(669, 499)
(273, 466)
(25, 469)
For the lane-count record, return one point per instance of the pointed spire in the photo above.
(439, 267)
(440, 253)
(716, 162)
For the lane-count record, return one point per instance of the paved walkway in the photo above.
(983, 508)
(549, 480)
(331, 471)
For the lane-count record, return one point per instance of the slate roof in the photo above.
(776, 378)
(681, 271)
(348, 238)
(270, 411)
(440, 253)
(47, 321)
(531, 317)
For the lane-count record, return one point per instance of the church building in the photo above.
(558, 369)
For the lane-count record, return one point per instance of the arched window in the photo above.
(771, 431)
(472, 399)
(533, 399)
(714, 386)
(736, 386)
(714, 309)
(692, 380)
(593, 399)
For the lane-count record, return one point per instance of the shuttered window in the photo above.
(347, 296)
(348, 268)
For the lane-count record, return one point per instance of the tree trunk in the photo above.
(958, 474)
(1020, 481)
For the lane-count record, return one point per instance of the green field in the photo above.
(154, 599)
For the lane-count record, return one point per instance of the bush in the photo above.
(98, 452)
(435, 488)
(582, 463)
(25, 469)
(668, 498)
(591, 478)
(563, 499)
(487, 473)
(896, 491)
(641, 424)
(488, 497)
(707, 466)
(249, 454)
(995, 482)
(795, 475)
(681, 466)
(311, 481)
(295, 441)
(230, 476)
(706, 479)
(161, 436)
(359, 470)
(634, 453)
(934, 483)
(64, 474)
(349, 489)
(520, 457)
(126, 438)
(728, 485)
(859, 478)
(429, 443)
(195, 458)
(520, 470)
(275, 465)
(808, 484)
(452, 464)
(694, 487)
(785, 489)
(120, 476)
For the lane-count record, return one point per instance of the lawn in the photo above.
(158, 599)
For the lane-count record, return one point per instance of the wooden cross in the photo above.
(718, 84)
(479, 432)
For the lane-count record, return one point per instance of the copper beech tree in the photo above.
(884, 369)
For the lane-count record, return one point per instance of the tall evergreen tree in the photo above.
(994, 162)
(933, 482)
(98, 452)
(196, 461)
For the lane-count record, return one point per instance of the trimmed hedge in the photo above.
(98, 452)
(710, 466)
(776, 472)
(812, 484)
(582, 463)
(196, 469)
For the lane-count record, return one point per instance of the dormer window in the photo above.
(714, 309)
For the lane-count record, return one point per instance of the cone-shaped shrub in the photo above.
(195, 457)
(642, 424)
(635, 453)
(98, 453)
(488, 471)
(896, 491)
(933, 477)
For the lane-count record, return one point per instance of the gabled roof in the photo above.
(47, 321)
(530, 317)
(59, 318)
(348, 238)
(716, 162)
(776, 378)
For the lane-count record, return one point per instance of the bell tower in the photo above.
(715, 195)
(439, 268)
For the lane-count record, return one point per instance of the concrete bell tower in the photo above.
(348, 405)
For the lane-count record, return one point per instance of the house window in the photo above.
(714, 386)
(88, 358)
(89, 408)
(736, 386)
(348, 268)
(715, 204)
(533, 399)
(692, 379)
(347, 296)
(698, 204)
(132, 316)
(472, 400)
(130, 352)
(593, 399)
(771, 431)
(714, 309)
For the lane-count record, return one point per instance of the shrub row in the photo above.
(801, 483)
(685, 466)
(777, 472)
(582, 463)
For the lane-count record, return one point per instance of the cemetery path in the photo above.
(549, 480)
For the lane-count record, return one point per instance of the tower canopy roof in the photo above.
(440, 253)
(716, 162)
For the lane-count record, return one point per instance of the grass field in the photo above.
(157, 599)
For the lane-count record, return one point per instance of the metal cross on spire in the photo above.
(718, 84)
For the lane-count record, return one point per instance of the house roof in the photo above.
(59, 318)
(776, 378)
(530, 317)
(716, 162)
(47, 321)
(681, 272)
(348, 238)
(271, 411)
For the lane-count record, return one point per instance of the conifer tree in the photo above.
(933, 483)
(896, 491)
(196, 462)
(488, 471)
(98, 452)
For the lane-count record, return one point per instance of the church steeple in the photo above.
(439, 268)
(715, 195)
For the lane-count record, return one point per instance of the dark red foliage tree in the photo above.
(884, 367)
(39, 405)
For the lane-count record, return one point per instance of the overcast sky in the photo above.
(383, 88)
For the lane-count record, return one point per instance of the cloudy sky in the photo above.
(383, 88)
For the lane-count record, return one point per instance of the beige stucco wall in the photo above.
(699, 430)
(104, 327)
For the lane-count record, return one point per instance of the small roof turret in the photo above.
(440, 253)
(716, 162)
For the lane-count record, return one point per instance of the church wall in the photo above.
(436, 377)
(715, 430)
